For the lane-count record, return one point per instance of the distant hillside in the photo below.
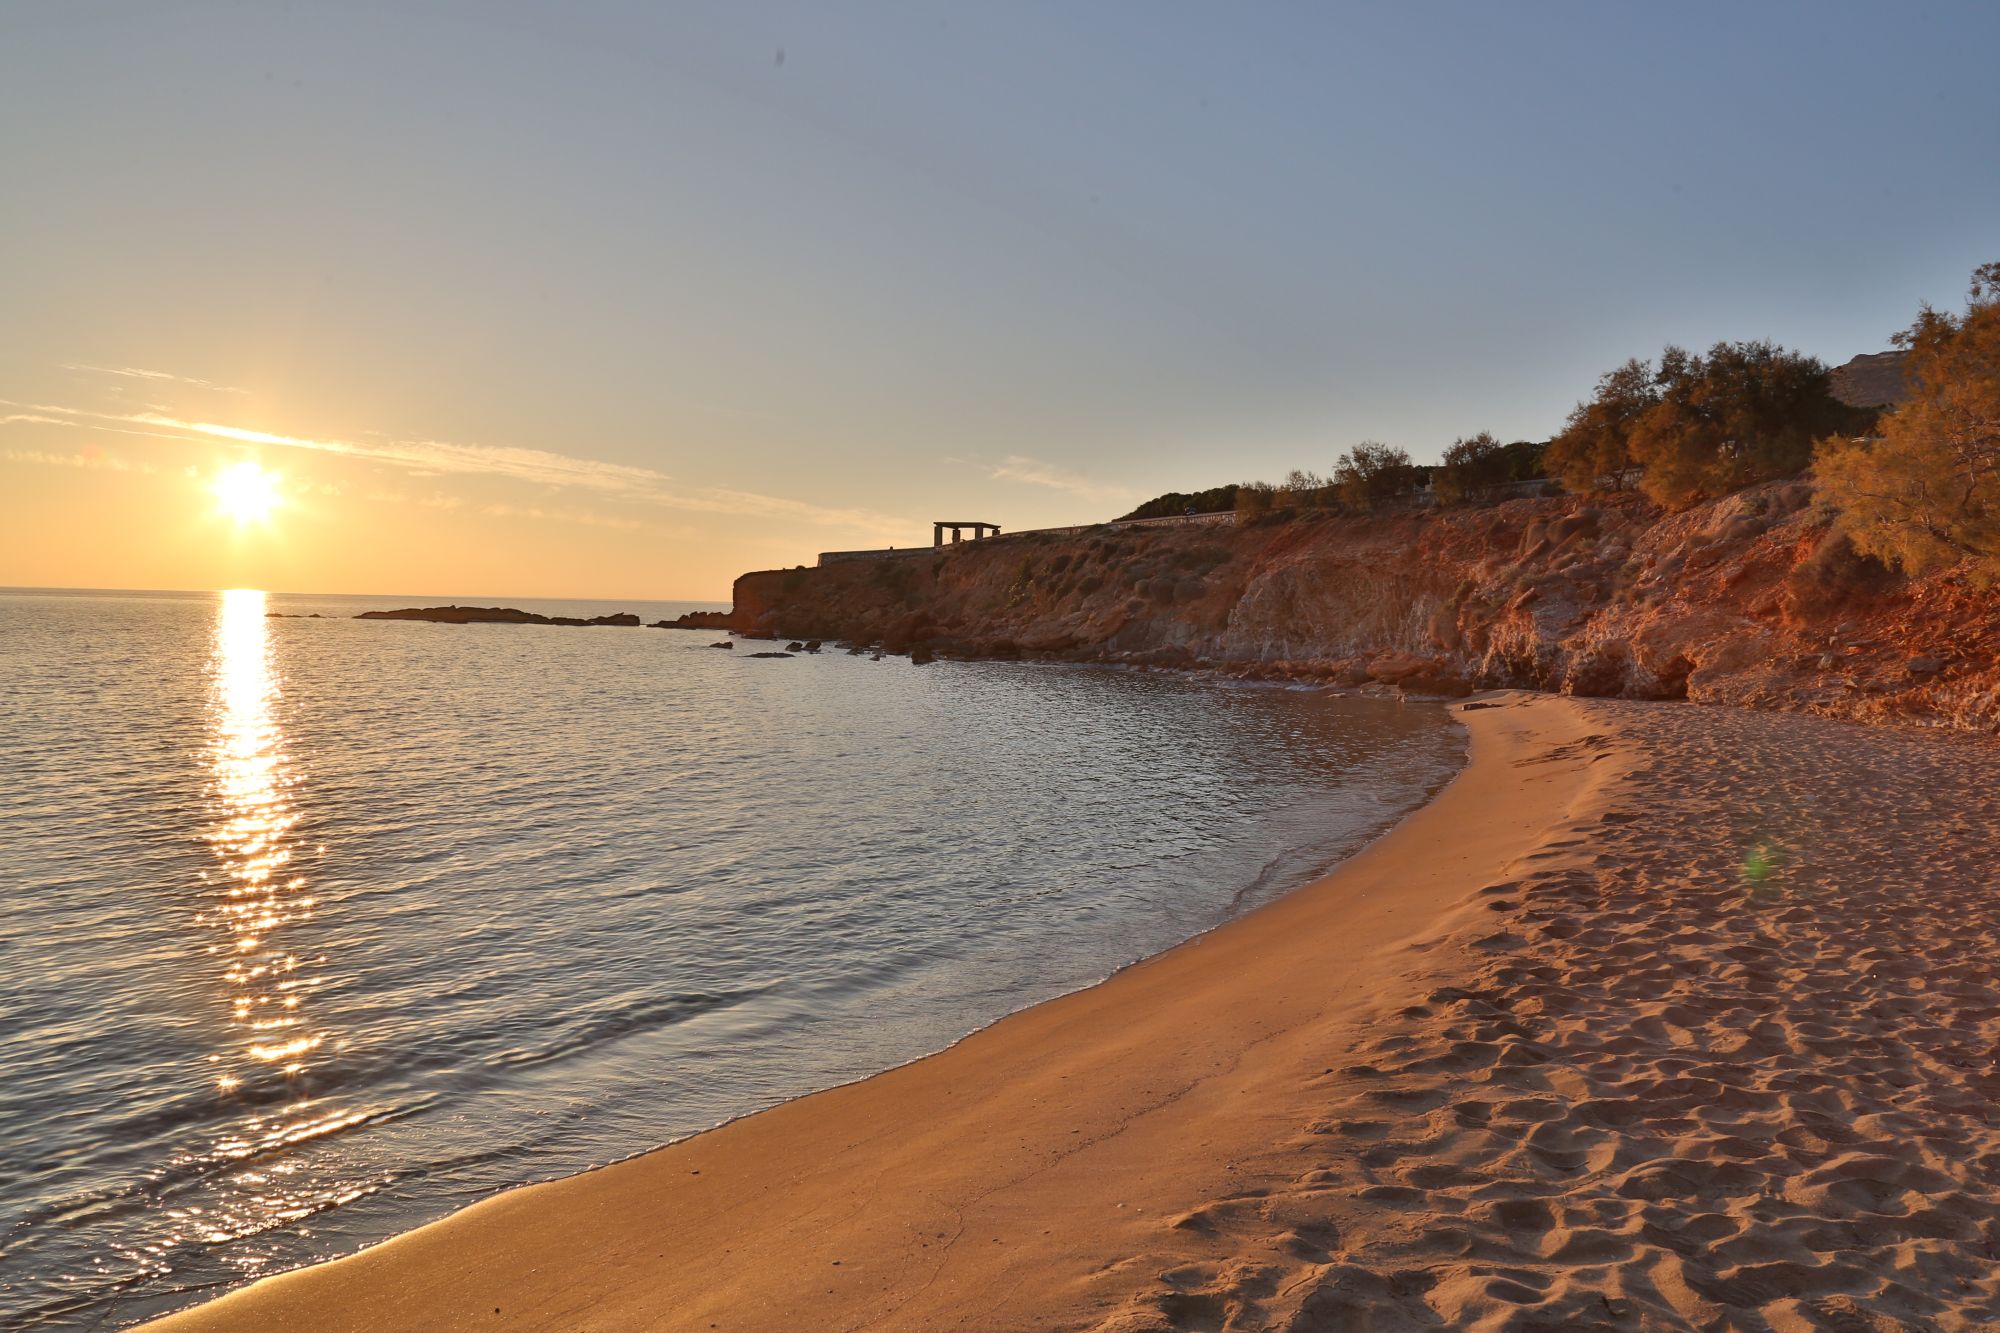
(1173, 503)
(1873, 379)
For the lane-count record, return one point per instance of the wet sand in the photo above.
(1657, 1017)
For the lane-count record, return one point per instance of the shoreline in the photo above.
(694, 1231)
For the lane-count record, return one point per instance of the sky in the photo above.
(621, 300)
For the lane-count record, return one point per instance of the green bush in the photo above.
(1702, 425)
(1926, 492)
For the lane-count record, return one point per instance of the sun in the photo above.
(246, 492)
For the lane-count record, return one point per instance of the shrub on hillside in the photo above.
(1926, 492)
(1306, 490)
(1481, 468)
(1747, 412)
(1591, 453)
(1174, 504)
(1370, 474)
(1701, 425)
(1255, 500)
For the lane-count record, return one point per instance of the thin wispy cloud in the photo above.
(531, 465)
(538, 467)
(1035, 472)
(584, 516)
(89, 461)
(30, 416)
(160, 376)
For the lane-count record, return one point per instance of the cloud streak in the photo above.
(531, 465)
(537, 467)
(158, 376)
(89, 460)
(1035, 472)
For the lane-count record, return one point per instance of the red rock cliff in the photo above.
(1750, 600)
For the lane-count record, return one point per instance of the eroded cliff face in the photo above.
(1751, 600)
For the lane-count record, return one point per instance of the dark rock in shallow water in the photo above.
(795, 647)
(767, 654)
(492, 615)
(724, 644)
(698, 620)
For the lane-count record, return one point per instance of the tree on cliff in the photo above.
(1590, 453)
(1702, 425)
(1371, 473)
(1255, 499)
(1926, 491)
(1747, 412)
(1480, 467)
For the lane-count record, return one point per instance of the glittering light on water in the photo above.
(253, 816)
(254, 901)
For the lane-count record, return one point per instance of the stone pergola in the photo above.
(979, 530)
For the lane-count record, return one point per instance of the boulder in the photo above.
(1742, 528)
(1392, 668)
(1599, 671)
(1350, 673)
(1436, 680)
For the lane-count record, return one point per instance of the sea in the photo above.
(316, 929)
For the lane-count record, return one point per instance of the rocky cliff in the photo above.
(1752, 600)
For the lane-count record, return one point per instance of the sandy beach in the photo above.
(1659, 1016)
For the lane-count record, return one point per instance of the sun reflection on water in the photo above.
(260, 892)
(257, 899)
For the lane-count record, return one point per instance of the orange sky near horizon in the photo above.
(621, 300)
(105, 492)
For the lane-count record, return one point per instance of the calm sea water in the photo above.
(315, 930)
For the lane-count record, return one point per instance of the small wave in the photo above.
(626, 1022)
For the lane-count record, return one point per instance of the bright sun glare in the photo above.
(246, 492)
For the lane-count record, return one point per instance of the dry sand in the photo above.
(1658, 1017)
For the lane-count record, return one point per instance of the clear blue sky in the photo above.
(829, 270)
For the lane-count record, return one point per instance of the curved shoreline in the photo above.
(1044, 1129)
